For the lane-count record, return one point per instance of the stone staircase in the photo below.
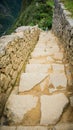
(42, 102)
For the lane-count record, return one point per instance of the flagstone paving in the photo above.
(42, 98)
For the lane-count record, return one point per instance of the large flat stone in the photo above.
(58, 56)
(41, 68)
(64, 126)
(18, 105)
(32, 128)
(7, 128)
(58, 67)
(40, 46)
(40, 53)
(38, 60)
(52, 108)
(29, 80)
(58, 80)
(44, 51)
(46, 47)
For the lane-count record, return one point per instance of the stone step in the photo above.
(58, 79)
(23, 128)
(38, 60)
(46, 59)
(47, 44)
(42, 60)
(52, 108)
(46, 47)
(58, 68)
(63, 126)
(45, 68)
(18, 106)
(58, 56)
(29, 80)
(41, 68)
(44, 52)
(41, 53)
(7, 127)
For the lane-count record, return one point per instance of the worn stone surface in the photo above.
(41, 96)
(41, 52)
(29, 80)
(58, 80)
(64, 126)
(41, 68)
(18, 105)
(14, 51)
(52, 108)
(23, 128)
(62, 27)
(58, 56)
(58, 68)
(32, 128)
(7, 128)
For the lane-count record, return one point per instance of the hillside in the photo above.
(8, 13)
(35, 12)
(69, 5)
(25, 12)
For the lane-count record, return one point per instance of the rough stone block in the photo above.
(18, 105)
(29, 80)
(52, 108)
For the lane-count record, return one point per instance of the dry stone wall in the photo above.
(14, 51)
(63, 28)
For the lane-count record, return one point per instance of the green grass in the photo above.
(69, 5)
(8, 13)
(33, 14)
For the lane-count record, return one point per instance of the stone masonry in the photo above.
(41, 101)
(63, 28)
(14, 51)
(36, 80)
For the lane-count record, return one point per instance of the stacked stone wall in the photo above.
(63, 28)
(14, 52)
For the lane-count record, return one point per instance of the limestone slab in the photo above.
(52, 108)
(58, 56)
(29, 80)
(64, 126)
(37, 61)
(58, 68)
(40, 46)
(49, 59)
(53, 48)
(39, 53)
(58, 79)
(38, 68)
(7, 128)
(32, 128)
(44, 52)
(18, 105)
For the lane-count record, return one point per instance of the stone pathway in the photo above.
(42, 99)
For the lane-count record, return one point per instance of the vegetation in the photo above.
(8, 13)
(35, 12)
(69, 5)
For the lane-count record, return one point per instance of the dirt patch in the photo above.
(67, 115)
(33, 116)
